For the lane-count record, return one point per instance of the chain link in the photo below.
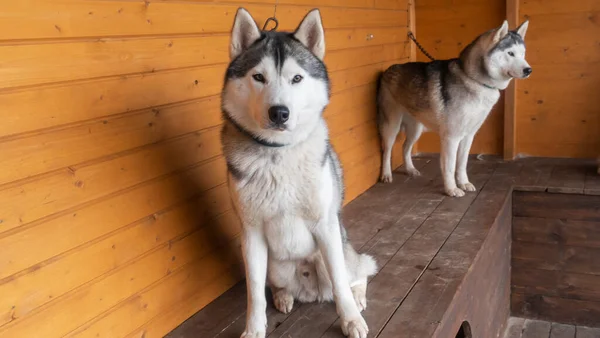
(412, 37)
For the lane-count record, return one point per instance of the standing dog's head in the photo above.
(499, 55)
(276, 85)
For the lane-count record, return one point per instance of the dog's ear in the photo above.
(310, 33)
(523, 29)
(500, 32)
(243, 34)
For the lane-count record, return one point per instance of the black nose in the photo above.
(527, 71)
(279, 114)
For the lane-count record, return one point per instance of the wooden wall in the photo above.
(555, 258)
(114, 215)
(558, 110)
(444, 28)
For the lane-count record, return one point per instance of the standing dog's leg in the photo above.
(413, 130)
(255, 250)
(329, 240)
(462, 179)
(448, 164)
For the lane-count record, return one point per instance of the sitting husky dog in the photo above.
(284, 177)
(452, 97)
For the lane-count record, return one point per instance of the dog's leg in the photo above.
(329, 239)
(462, 179)
(448, 164)
(413, 130)
(254, 248)
(389, 127)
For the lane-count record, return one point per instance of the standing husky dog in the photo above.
(284, 177)
(452, 97)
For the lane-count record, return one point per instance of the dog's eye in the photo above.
(297, 79)
(511, 53)
(258, 78)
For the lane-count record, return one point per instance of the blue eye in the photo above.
(258, 78)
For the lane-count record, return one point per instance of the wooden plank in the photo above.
(38, 19)
(556, 231)
(569, 206)
(115, 212)
(83, 304)
(76, 60)
(554, 283)
(536, 328)
(514, 327)
(534, 177)
(160, 297)
(567, 180)
(587, 332)
(558, 6)
(558, 257)
(568, 311)
(592, 180)
(562, 331)
(26, 292)
(510, 93)
(358, 37)
(392, 4)
(40, 198)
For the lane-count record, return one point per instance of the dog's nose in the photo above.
(527, 71)
(279, 114)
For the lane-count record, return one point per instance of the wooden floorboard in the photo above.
(424, 243)
(527, 328)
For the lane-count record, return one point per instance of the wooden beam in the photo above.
(510, 94)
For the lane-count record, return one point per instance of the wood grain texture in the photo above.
(115, 217)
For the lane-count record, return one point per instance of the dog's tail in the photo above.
(366, 265)
(380, 115)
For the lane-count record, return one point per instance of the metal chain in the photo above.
(412, 37)
(273, 18)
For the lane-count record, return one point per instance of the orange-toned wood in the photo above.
(444, 29)
(557, 113)
(115, 216)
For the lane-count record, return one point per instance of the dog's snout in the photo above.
(279, 114)
(527, 71)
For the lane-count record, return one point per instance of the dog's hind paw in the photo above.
(360, 296)
(356, 328)
(412, 172)
(386, 178)
(467, 187)
(455, 192)
(284, 302)
(250, 334)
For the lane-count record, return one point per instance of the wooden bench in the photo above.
(444, 262)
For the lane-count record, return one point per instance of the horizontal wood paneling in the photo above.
(555, 250)
(115, 217)
(563, 44)
(444, 28)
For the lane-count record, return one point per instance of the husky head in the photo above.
(497, 56)
(276, 85)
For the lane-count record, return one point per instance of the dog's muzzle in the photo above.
(278, 115)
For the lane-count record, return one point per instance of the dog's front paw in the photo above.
(386, 177)
(253, 334)
(412, 172)
(360, 296)
(355, 328)
(455, 192)
(284, 302)
(467, 187)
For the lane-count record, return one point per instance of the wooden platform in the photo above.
(442, 260)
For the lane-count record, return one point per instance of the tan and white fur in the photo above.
(451, 97)
(284, 177)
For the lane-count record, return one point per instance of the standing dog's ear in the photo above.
(523, 29)
(501, 32)
(310, 33)
(244, 33)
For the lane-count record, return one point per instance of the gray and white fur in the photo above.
(451, 97)
(285, 178)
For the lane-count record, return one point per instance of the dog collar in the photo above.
(254, 137)
(487, 86)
